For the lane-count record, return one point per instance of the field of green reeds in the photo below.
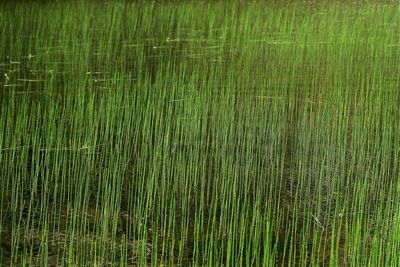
(189, 133)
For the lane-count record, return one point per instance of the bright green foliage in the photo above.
(199, 134)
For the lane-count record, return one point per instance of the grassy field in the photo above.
(200, 134)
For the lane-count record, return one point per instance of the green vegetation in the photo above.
(200, 134)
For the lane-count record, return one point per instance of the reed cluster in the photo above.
(200, 134)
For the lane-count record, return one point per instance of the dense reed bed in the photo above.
(199, 134)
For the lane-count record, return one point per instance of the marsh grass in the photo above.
(209, 134)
